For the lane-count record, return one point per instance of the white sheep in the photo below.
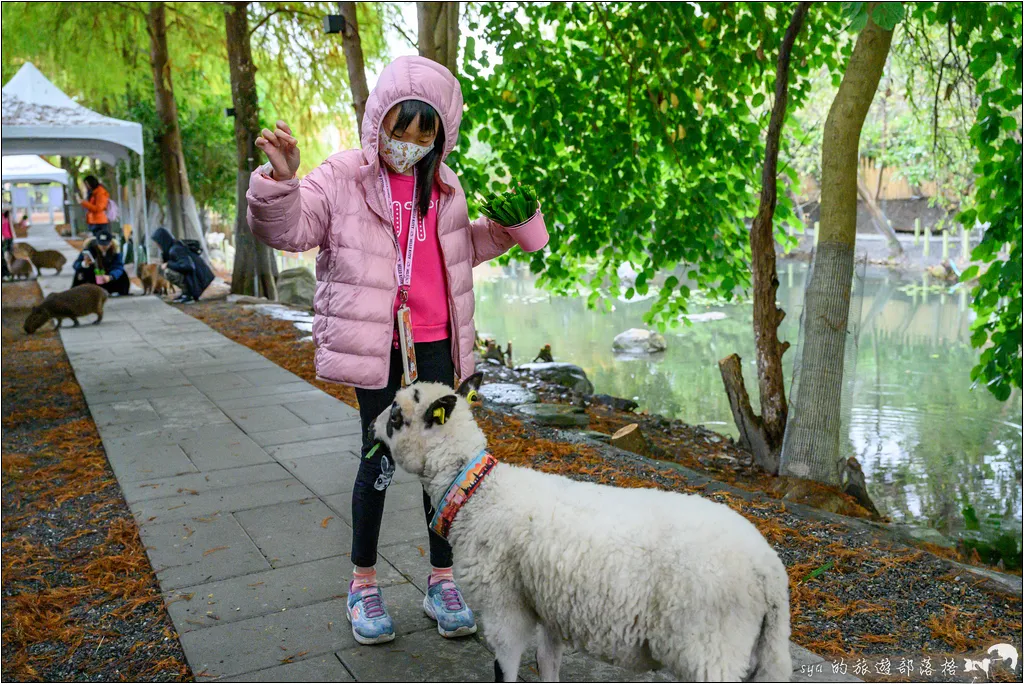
(638, 577)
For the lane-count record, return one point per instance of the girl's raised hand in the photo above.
(282, 150)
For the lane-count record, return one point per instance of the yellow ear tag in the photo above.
(472, 396)
(439, 414)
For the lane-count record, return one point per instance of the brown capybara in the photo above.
(20, 268)
(153, 280)
(46, 258)
(81, 300)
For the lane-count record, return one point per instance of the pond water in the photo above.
(929, 445)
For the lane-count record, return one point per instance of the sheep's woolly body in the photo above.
(640, 577)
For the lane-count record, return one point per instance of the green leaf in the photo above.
(887, 14)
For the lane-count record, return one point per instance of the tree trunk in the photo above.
(763, 434)
(811, 448)
(438, 38)
(878, 217)
(254, 272)
(353, 49)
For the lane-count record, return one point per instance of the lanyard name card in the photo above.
(403, 273)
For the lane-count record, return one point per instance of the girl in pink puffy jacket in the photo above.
(393, 229)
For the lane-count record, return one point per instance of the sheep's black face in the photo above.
(395, 420)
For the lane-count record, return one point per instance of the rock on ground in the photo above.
(639, 341)
(565, 374)
(296, 286)
(507, 394)
(555, 415)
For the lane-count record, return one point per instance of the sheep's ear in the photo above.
(440, 411)
(471, 384)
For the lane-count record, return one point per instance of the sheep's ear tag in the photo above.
(473, 396)
(439, 414)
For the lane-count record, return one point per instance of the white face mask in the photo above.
(401, 156)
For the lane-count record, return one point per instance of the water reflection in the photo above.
(928, 445)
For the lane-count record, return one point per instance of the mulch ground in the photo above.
(80, 601)
(853, 593)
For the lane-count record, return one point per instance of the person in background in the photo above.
(8, 237)
(100, 264)
(96, 205)
(8, 232)
(185, 269)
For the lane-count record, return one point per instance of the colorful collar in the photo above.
(466, 482)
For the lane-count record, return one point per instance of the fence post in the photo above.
(927, 240)
(917, 231)
(965, 243)
(945, 244)
(817, 231)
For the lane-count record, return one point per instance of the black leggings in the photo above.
(434, 360)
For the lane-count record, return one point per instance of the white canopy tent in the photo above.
(31, 169)
(38, 118)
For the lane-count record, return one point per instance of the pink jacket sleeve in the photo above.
(490, 240)
(291, 215)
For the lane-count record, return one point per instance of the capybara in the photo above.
(81, 300)
(45, 258)
(20, 268)
(153, 280)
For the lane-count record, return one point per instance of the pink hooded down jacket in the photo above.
(340, 208)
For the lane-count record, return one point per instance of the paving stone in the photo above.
(264, 418)
(579, 667)
(410, 559)
(211, 384)
(325, 473)
(272, 375)
(421, 657)
(212, 447)
(132, 465)
(801, 656)
(294, 532)
(263, 593)
(263, 642)
(121, 412)
(321, 669)
(158, 488)
(401, 496)
(305, 433)
(315, 447)
(324, 410)
(198, 411)
(271, 399)
(183, 391)
(190, 552)
(404, 526)
(225, 500)
(245, 392)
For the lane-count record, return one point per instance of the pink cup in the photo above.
(532, 234)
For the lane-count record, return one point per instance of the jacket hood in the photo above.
(163, 238)
(412, 78)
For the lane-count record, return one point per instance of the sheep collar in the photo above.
(459, 491)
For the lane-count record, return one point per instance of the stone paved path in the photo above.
(239, 474)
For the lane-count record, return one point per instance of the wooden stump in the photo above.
(631, 438)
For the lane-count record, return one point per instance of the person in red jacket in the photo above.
(96, 205)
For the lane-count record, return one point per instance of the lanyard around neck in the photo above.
(403, 268)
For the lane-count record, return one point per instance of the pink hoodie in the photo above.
(340, 208)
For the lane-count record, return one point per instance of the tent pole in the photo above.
(145, 209)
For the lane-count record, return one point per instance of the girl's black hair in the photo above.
(92, 181)
(426, 168)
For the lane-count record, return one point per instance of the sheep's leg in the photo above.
(549, 654)
(75, 321)
(512, 632)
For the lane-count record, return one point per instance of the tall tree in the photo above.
(255, 269)
(763, 434)
(811, 448)
(438, 34)
(353, 47)
(180, 204)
